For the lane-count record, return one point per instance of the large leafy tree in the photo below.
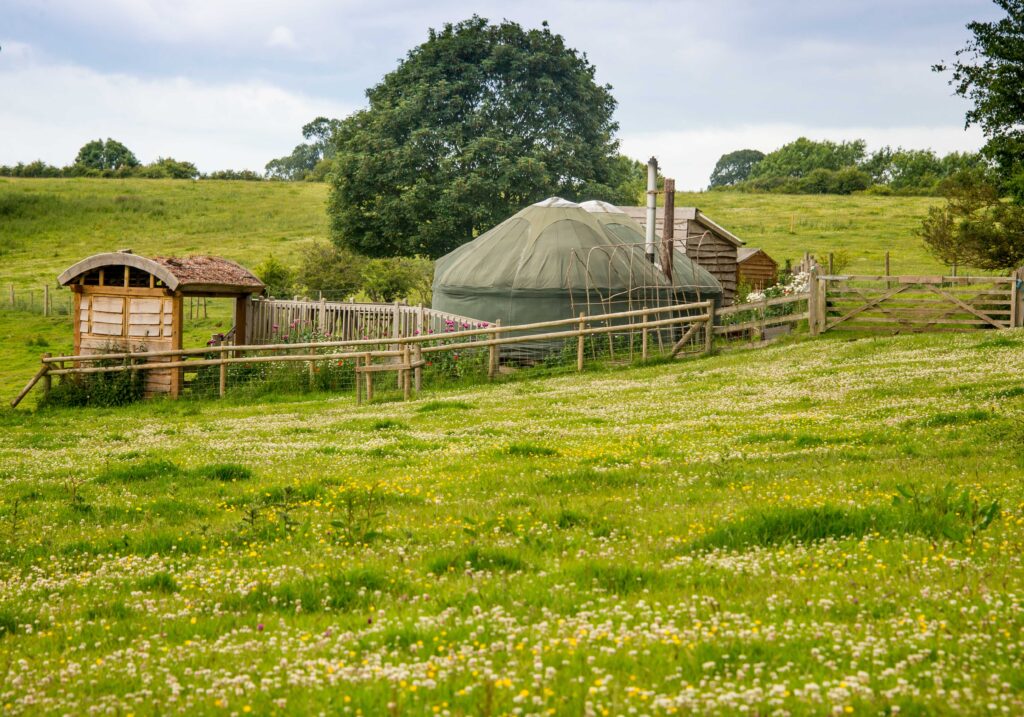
(305, 159)
(475, 123)
(105, 156)
(989, 71)
(735, 167)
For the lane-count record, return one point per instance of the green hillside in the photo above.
(48, 224)
(714, 536)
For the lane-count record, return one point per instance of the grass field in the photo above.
(48, 224)
(717, 535)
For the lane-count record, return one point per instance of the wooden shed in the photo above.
(127, 302)
(756, 268)
(708, 244)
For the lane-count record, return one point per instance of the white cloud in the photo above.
(50, 110)
(282, 36)
(689, 155)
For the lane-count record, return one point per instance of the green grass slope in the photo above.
(48, 224)
(713, 536)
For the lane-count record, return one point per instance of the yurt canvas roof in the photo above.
(550, 247)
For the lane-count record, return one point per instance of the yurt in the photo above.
(691, 282)
(555, 260)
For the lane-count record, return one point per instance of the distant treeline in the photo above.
(111, 158)
(809, 167)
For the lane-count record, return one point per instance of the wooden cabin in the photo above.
(127, 302)
(755, 268)
(707, 243)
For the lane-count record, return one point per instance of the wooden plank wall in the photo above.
(129, 323)
(758, 271)
(713, 253)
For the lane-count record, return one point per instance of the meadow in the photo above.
(717, 535)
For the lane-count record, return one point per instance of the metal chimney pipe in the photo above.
(652, 206)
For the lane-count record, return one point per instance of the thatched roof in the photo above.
(186, 275)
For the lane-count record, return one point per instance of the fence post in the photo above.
(812, 302)
(831, 264)
(47, 378)
(709, 327)
(1018, 298)
(12, 296)
(579, 342)
(492, 354)
(764, 316)
(223, 382)
(406, 374)
(369, 379)
(46, 299)
(321, 319)
(643, 336)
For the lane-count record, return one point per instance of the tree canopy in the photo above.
(105, 156)
(474, 124)
(989, 72)
(735, 167)
(309, 159)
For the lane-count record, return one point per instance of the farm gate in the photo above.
(913, 304)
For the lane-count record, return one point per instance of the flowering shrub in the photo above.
(797, 284)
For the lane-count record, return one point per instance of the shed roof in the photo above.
(745, 253)
(685, 214)
(190, 274)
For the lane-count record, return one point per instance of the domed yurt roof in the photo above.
(552, 246)
(686, 274)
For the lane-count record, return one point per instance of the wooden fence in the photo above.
(684, 325)
(913, 304)
(270, 320)
(44, 300)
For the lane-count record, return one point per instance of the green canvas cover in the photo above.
(554, 260)
(551, 260)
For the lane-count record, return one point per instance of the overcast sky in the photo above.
(229, 83)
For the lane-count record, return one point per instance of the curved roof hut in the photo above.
(127, 302)
(692, 282)
(552, 260)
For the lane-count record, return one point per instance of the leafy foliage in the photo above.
(105, 156)
(988, 72)
(330, 270)
(735, 167)
(277, 276)
(474, 124)
(310, 160)
(975, 227)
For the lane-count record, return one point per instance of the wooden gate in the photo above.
(907, 304)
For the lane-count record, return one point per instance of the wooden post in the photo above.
(369, 379)
(764, 315)
(46, 299)
(406, 374)
(831, 263)
(47, 378)
(492, 362)
(242, 320)
(668, 228)
(223, 384)
(887, 263)
(321, 318)
(421, 329)
(709, 327)
(12, 296)
(812, 303)
(643, 336)
(579, 342)
(1017, 294)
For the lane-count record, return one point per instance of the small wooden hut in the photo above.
(708, 244)
(127, 302)
(755, 268)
